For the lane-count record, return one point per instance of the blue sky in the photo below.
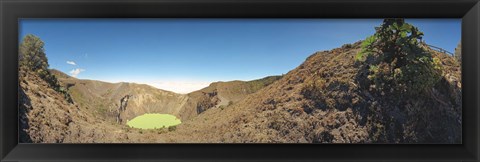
(183, 55)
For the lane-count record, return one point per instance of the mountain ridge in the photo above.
(326, 99)
(141, 92)
(283, 112)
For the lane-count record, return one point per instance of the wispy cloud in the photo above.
(76, 71)
(71, 63)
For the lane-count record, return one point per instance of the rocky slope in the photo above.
(324, 100)
(105, 99)
(221, 95)
(346, 112)
(47, 117)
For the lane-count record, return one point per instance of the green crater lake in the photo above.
(153, 121)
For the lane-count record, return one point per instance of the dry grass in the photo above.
(327, 99)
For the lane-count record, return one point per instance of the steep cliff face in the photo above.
(326, 99)
(45, 116)
(122, 108)
(120, 102)
(221, 95)
(107, 100)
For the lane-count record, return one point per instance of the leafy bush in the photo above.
(346, 46)
(32, 55)
(397, 61)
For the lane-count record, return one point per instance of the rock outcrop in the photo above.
(122, 108)
(221, 95)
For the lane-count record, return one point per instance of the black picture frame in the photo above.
(12, 10)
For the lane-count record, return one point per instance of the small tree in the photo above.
(458, 52)
(397, 60)
(172, 128)
(32, 55)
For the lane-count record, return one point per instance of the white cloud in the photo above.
(76, 71)
(71, 63)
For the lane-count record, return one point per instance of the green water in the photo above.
(153, 121)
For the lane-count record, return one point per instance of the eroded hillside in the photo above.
(105, 99)
(222, 94)
(47, 117)
(340, 110)
(410, 95)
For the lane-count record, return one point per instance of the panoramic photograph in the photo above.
(330, 81)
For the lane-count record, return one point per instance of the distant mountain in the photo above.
(103, 99)
(329, 98)
(222, 94)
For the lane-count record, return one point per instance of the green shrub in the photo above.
(258, 84)
(347, 46)
(397, 61)
(32, 54)
(172, 128)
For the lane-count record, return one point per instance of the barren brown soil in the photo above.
(278, 111)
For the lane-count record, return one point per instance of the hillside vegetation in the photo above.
(340, 110)
(389, 88)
